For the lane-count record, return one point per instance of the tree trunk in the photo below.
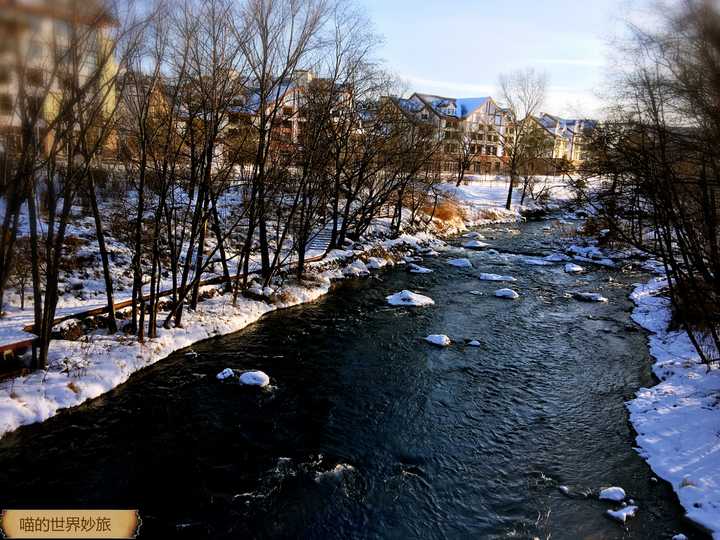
(112, 323)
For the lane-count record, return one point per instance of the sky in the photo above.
(459, 48)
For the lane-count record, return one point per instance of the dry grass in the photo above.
(285, 297)
(446, 210)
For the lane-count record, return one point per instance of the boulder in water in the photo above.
(507, 293)
(255, 378)
(440, 340)
(225, 374)
(460, 263)
(409, 298)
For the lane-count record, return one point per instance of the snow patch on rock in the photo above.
(507, 293)
(225, 374)
(417, 269)
(613, 493)
(438, 339)
(572, 268)
(495, 277)
(255, 378)
(622, 514)
(409, 298)
(460, 263)
(356, 269)
(475, 244)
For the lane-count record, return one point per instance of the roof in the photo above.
(456, 107)
(565, 125)
(251, 104)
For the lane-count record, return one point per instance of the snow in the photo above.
(589, 252)
(474, 343)
(622, 514)
(677, 420)
(614, 493)
(680, 537)
(589, 297)
(475, 244)
(572, 268)
(409, 298)
(600, 262)
(255, 378)
(495, 277)
(336, 473)
(103, 362)
(10, 335)
(356, 269)
(225, 374)
(460, 263)
(474, 235)
(534, 261)
(375, 263)
(483, 199)
(438, 339)
(557, 257)
(507, 293)
(417, 269)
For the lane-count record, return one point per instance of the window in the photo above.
(35, 49)
(34, 105)
(34, 77)
(6, 104)
(287, 111)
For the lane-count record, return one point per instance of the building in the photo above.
(47, 47)
(289, 106)
(471, 129)
(569, 136)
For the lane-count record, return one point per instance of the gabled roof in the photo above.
(251, 103)
(566, 126)
(452, 107)
(408, 105)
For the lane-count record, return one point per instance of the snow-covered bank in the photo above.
(678, 420)
(101, 363)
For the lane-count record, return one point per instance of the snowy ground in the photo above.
(678, 420)
(485, 200)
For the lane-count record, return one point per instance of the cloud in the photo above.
(432, 86)
(590, 62)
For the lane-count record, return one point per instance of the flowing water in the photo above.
(368, 431)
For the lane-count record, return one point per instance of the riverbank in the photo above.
(86, 368)
(677, 419)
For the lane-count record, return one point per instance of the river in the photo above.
(368, 431)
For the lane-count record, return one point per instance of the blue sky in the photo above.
(460, 47)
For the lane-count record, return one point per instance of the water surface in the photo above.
(369, 431)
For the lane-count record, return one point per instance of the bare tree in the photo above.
(523, 93)
(657, 155)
